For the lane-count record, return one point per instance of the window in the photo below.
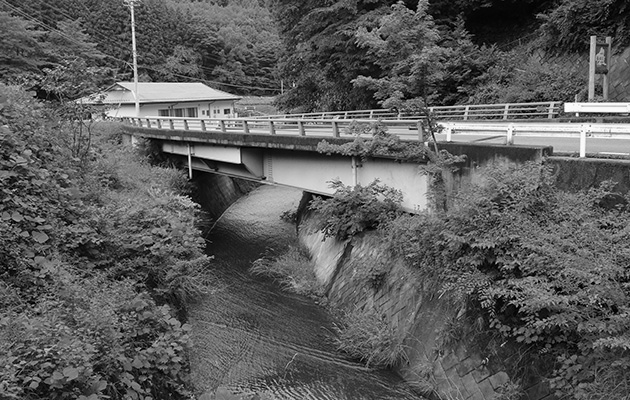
(191, 112)
(163, 113)
(226, 111)
(178, 112)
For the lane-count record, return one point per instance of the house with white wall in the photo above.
(174, 99)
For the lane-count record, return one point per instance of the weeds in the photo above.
(294, 271)
(366, 336)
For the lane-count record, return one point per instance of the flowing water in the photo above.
(253, 340)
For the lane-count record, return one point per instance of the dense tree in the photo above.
(20, 50)
(567, 27)
(405, 46)
(321, 56)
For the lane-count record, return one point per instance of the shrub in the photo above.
(546, 268)
(355, 209)
(89, 255)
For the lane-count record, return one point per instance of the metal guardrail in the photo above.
(597, 108)
(549, 110)
(510, 130)
(405, 129)
(287, 126)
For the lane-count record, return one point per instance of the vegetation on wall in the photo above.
(94, 248)
(542, 267)
(355, 209)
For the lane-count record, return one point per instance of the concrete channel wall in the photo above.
(460, 369)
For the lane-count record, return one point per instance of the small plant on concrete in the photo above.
(356, 209)
(373, 140)
(366, 336)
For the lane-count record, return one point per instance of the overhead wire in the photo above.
(32, 19)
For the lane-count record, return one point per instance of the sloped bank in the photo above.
(361, 274)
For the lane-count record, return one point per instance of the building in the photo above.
(166, 99)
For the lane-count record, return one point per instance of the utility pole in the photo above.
(131, 4)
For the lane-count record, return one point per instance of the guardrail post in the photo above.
(222, 126)
(148, 123)
(301, 128)
(171, 124)
(189, 162)
(245, 127)
(335, 128)
(371, 114)
(203, 125)
(510, 134)
(272, 128)
(583, 131)
(552, 105)
(186, 127)
(466, 110)
(449, 132)
(506, 111)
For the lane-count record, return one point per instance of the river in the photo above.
(252, 340)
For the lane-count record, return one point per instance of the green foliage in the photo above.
(567, 27)
(379, 143)
(546, 268)
(355, 209)
(518, 78)
(366, 336)
(235, 44)
(91, 250)
(320, 54)
(405, 46)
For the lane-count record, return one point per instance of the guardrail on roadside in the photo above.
(597, 108)
(510, 130)
(288, 126)
(548, 110)
(406, 129)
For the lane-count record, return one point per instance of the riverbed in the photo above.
(253, 340)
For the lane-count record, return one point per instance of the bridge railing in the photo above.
(548, 110)
(405, 129)
(281, 126)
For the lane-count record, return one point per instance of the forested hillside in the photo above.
(360, 54)
(232, 46)
(328, 55)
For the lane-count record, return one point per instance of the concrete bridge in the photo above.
(283, 149)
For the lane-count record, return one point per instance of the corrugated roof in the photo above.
(164, 92)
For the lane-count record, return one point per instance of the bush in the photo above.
(546, 268)
(355, 209)
(91, 250)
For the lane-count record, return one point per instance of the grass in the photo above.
(366, 336)
(294, 270)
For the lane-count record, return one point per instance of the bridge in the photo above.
(283, 149)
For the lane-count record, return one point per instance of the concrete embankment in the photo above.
(361, 274)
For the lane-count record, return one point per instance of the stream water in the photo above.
(252, 340)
